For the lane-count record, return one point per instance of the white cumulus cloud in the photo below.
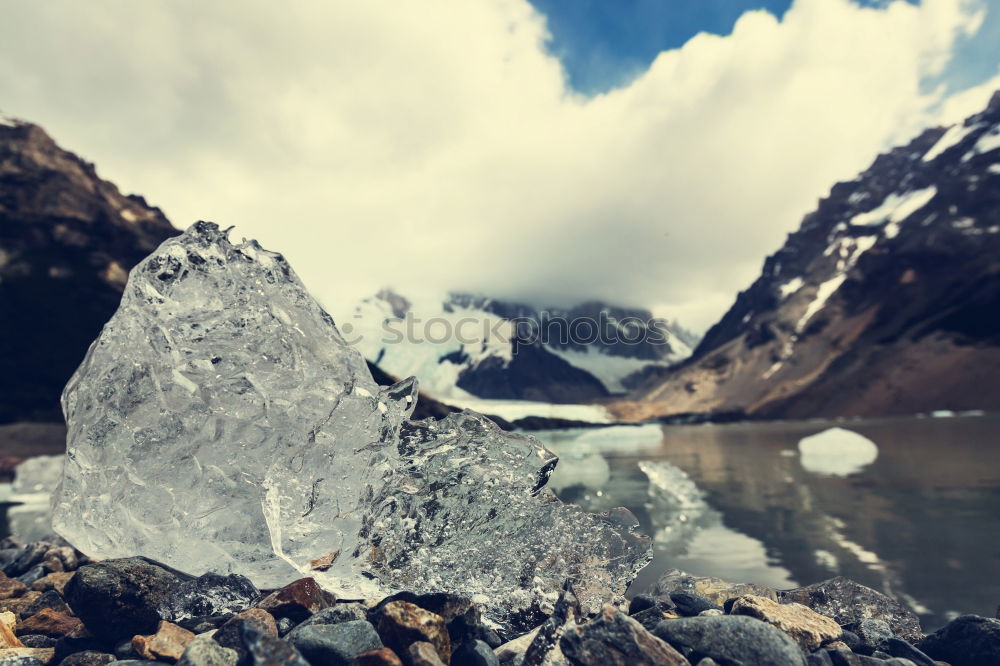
(435, 145)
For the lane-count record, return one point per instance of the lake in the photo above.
(916, 515)
(917, 518)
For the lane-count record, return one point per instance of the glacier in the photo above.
(220, 422)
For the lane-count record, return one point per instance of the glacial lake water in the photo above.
(917, 518)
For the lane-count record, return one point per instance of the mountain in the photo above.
(464, 346)
(67, 242)
(885, 301)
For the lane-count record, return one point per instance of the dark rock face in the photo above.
(968, 640)
(732, 639)
(67, 242)
(885, 301)
(848, 603)
(120, 598)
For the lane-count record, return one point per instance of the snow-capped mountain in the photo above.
(462, 346)
(886, 300)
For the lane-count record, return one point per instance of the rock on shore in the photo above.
(57, 608)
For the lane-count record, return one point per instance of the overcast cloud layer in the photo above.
(435, 145)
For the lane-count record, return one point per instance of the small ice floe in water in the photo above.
(30, 517)
(676, 505)
(942, 414)
(836, 452)
(220, 422)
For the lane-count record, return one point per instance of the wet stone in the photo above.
(474, 653)
(49, 600)
(615, 639)
(54, 581)
(872, 635)
(119, 598)
(209, 595)
(336, 614)
(43, 655)
(715, 590)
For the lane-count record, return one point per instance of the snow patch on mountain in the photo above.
(952, 137)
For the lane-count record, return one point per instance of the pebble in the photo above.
(381, 657)
(56, 580)
(51, 622)
(806, 627)
(848, 602)
(474, 653)
(169, 642)
(402, 623)
(266, 650)
(423, 653)
(8, 639)
(732, 638)
(690, 604)
(230, 634)
(16, 605)
(11, 587)
(715, 590)
(44, 655)
(334, 615)
(872, 634)
(614, 638)
(37, 641)
(88, 658)
(209, 595)
(204, 651)
(968, 640)
(20, 661)
(49, 599)
(336, 644)
(297, 600)
(119, 598)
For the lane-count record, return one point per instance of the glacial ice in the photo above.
(221, 423)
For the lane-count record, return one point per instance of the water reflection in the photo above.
(917, 517)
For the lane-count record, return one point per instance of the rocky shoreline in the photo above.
(59, 608)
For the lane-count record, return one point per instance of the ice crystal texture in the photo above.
(221, 423)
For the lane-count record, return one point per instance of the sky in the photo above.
(644, 152)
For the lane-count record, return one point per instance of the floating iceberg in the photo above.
(220, 422)
(836, 452)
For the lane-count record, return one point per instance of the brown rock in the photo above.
(380, 657)
(806, 626)
(423, 653)
(54, 581)
(229, 634)
(11, 587)
(7, 638)
(51, 622)
(297, 601)
(402, 623)
(615, 639)
(169, 642)
(44, 655)
(17, 604)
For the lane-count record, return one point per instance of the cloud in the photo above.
(435, 145)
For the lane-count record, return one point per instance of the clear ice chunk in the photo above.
(221, 423)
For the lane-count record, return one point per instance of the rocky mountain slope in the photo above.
(67, 241)
(461, 345)
(885, 301)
